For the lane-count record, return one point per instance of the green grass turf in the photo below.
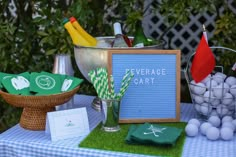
(115, 141)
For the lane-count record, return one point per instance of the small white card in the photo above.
(67, 123)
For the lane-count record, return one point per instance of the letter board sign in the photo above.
(154, 92)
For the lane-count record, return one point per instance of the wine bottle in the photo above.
(127, 40)
(119, 41)
(85, 34)
(77, 38)
(140, 40)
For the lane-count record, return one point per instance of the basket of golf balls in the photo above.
(215, 95)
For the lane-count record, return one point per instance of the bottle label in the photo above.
(139, 45)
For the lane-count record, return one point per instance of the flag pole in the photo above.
(205, 33)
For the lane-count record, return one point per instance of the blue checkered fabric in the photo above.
(18, 142)
(200, 146)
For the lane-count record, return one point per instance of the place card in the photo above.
(67, 124)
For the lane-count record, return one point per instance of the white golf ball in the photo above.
(215, 102)
(221, 74)
(226, 133)
(234, 123)
(192, 84)
(191, 130)
(214, 112)
(211, 83)
(197, 107)
(231, 81)
(208, 96)
(218, 78)
(220, 90)
(204, 126)
(198, 99)
(230, 113)
(205, 109)
(227, 99)
(214, 120)
(212, 133)
(194, 121)
(231, 110)
(193, 96)
(233, 90)
(228, 125)
(224, 86)
(199, 88)
(227, 119)
(222, 110)
(231, 106)
(206, 79)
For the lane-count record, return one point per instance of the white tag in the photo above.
(66, 85)
(139, 45)
(234, 67)
(20, 83)
(67, 123)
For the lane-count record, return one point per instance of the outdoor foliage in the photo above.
(32, 32)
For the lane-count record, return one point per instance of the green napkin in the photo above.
(70, 83)
(153, 134)
(17, 84)
(45, 83)
(3, 76)
(128, 138)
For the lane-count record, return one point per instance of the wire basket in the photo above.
(214, 95)
(35, 109)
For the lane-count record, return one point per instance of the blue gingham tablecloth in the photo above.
(18, 142)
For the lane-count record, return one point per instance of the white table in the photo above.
(18, 142)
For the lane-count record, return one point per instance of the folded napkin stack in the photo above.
(152, 134)
(35, 83)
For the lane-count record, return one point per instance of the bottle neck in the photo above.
(138, 24)
(117, 29)
(69, 26)
(139, 28)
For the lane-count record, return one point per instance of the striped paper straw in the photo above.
(125, 85)
(95, 81)
(112, 87)
(101, 83)
(92, 75)
(125, 77)
(106, 85)
(99, 88)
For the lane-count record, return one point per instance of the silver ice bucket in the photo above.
(91, 58)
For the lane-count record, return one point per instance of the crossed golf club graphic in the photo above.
(154, 131)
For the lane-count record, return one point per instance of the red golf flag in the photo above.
(203, 61)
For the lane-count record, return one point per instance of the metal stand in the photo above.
(96, 104)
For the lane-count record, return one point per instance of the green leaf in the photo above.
(51, 52)
(42, 33)
(44, 40)
(2, 45)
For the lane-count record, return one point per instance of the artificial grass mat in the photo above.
(115, 141)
